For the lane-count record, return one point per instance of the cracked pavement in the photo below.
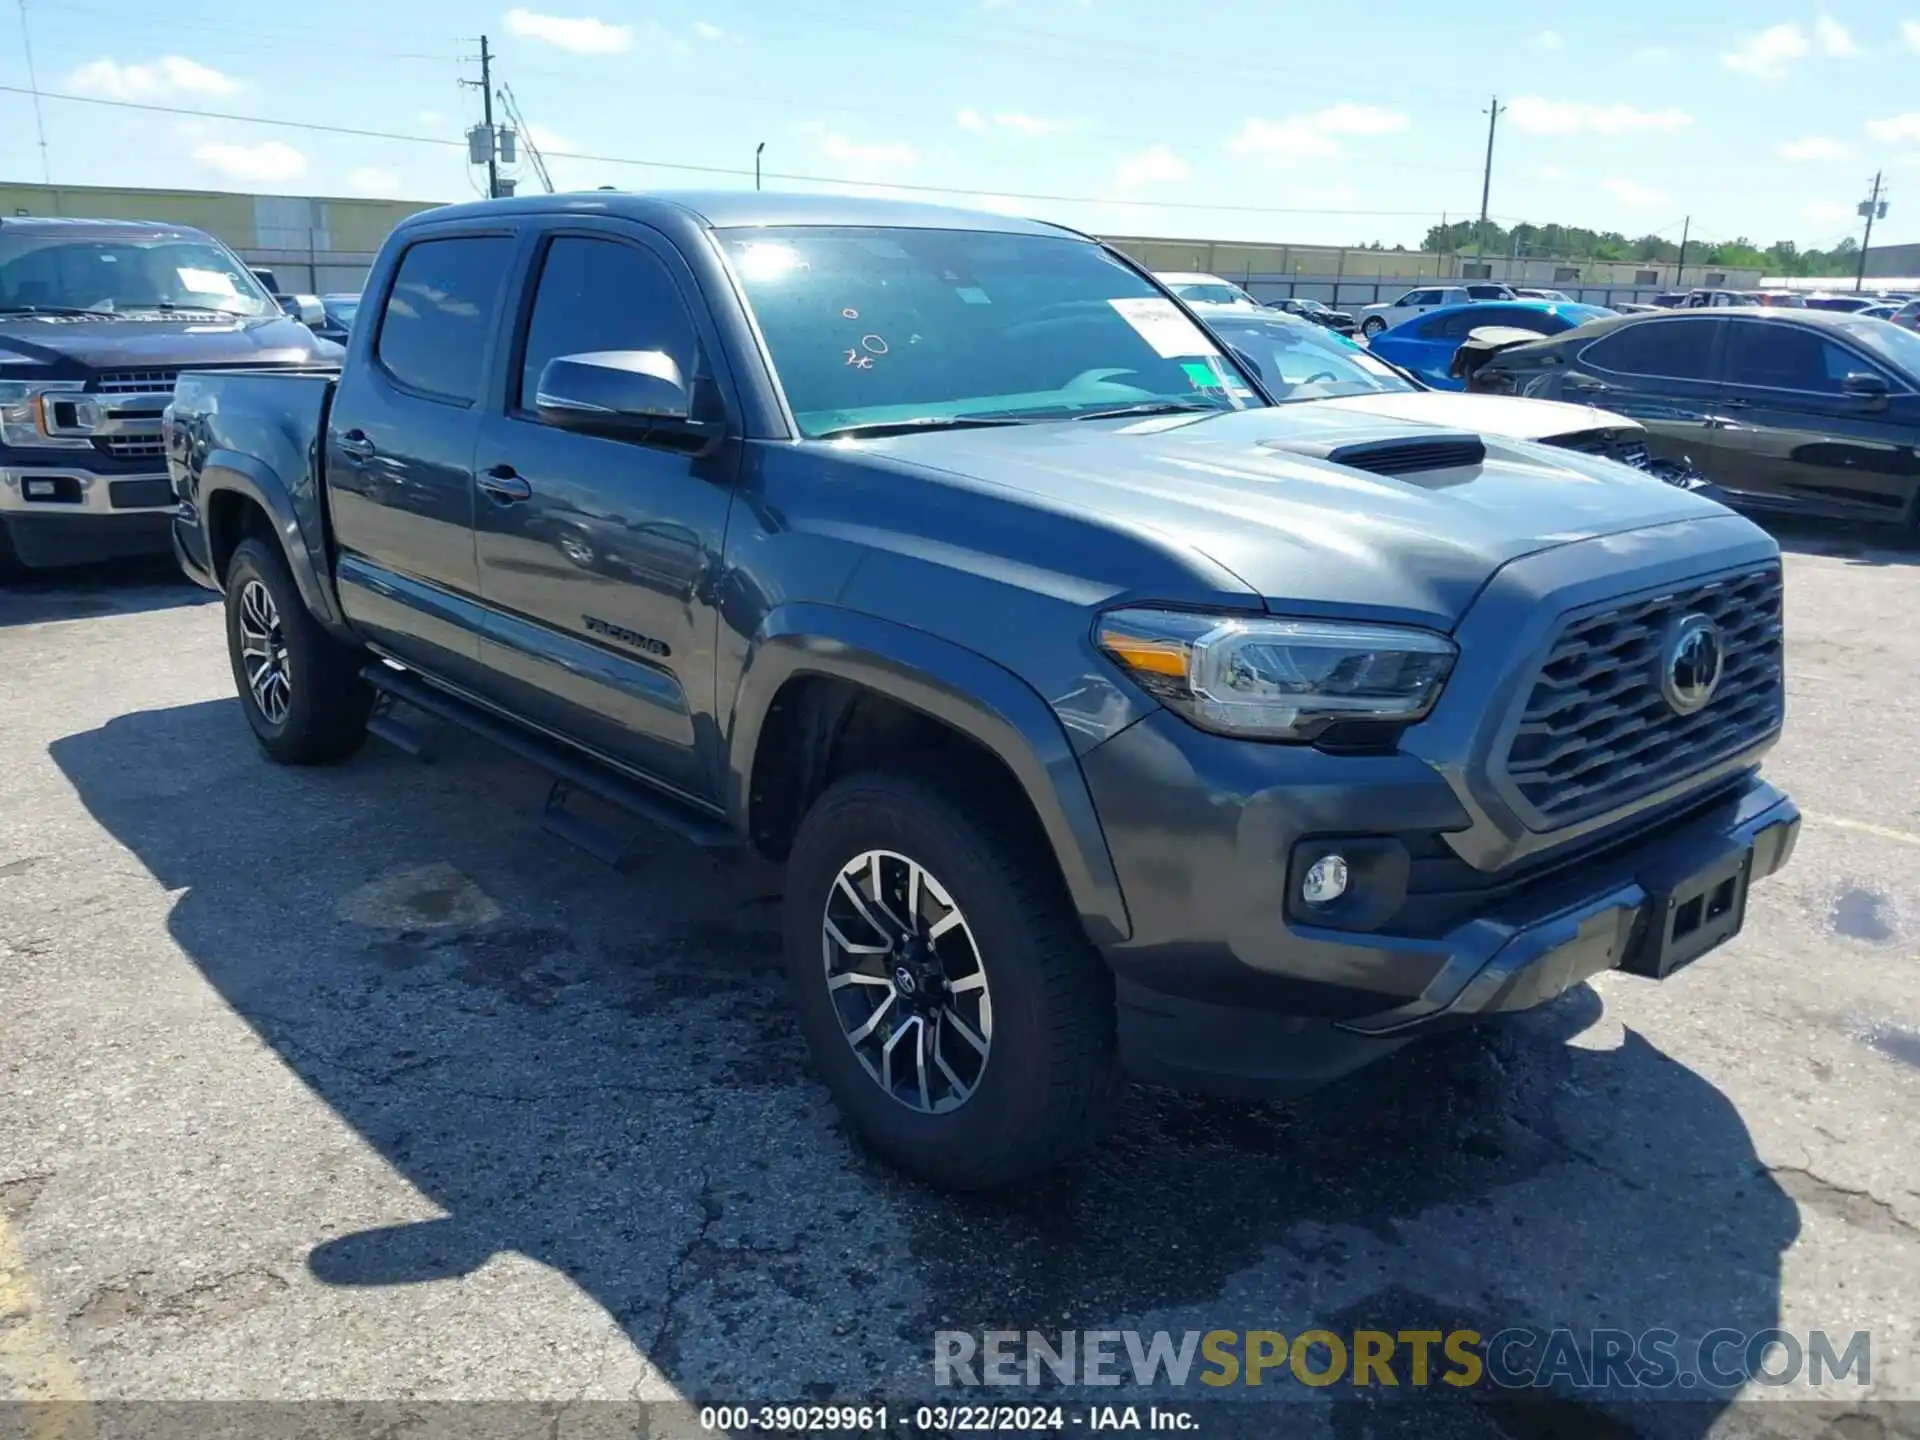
(355, 1084)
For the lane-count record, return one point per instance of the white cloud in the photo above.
(868, 161)
(170, 75)
(1896, 128)
(269, 160)
(1032, 127)
(1633, 194)
(1549, 40)
(708, 32)
(1834, 38)
(1826, 211)
(583, 34)
(1539, 116)
(1813, 147)
(1156, 165)
(1312, 137)
(1767, 54)
(372, 180)
(1910, 32)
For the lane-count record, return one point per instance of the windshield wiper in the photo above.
(58, 310)
(875, 429)
(1155, 407)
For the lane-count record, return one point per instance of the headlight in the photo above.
(1278, 679)
(23, 426)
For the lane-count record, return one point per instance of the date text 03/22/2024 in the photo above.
(942, 1419)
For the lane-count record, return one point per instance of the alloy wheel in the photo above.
(906, 982)
(263, 653)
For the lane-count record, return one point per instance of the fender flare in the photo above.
(302, 537)
(956, 686)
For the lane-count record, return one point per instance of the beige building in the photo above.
(319, 245)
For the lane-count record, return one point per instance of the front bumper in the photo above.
(1222, 989)
(70, 515)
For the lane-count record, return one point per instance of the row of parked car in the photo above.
(1777, 406)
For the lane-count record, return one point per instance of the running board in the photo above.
(571, 770)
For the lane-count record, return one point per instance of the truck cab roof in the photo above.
(735, 209)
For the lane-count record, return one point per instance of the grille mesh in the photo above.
(1598, 733)
(135, 382)
(134, 447)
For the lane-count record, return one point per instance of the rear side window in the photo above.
(1670, 349)
(603, 295)
(433, 332)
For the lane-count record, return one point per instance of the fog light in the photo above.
(1325, 882)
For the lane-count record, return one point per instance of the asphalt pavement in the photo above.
(357, 1085)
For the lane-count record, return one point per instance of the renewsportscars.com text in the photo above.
(1514, 1358)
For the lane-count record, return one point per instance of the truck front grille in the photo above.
(135, 382)
(1597, 732)
(133, 447)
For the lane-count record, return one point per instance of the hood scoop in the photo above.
(1397, 455)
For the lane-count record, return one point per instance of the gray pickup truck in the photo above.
(1110, 717)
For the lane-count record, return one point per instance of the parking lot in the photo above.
(356, 1084)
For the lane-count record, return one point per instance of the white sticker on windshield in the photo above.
(1161, 325)
(207, 282)
(973, 295)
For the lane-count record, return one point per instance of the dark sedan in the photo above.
(1337, 320)
(1806, 410)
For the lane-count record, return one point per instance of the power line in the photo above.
(742, 172)
(33, 81)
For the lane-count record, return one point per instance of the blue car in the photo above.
(1426, 345)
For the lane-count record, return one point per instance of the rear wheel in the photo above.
(1372, 326)
(300, 688)
(952, 1003)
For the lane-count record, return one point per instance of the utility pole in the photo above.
(33, 84)
(1494, 111)
(486, 113)
(1680, 270)
(756, 163)
(1873, 208)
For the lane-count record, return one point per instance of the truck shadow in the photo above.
(83, 592)
(600, 1073)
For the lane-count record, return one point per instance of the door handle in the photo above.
(356, 444)
(503, 483)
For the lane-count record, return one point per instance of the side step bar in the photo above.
(571, 770)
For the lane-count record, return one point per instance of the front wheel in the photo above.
(1372, 326)
(300, 688)
(952, 1003)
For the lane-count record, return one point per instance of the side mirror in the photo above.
(308, 310)
(1871, 390)
(618, 393)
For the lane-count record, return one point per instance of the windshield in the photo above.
(1901, 347)
(343, 310)
(872, 326)
(1305, 362)
(1222, 294)
(54, 273)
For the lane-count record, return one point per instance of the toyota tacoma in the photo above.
(1109, 718)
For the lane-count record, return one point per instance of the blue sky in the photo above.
(1234, 120)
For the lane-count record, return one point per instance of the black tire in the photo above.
(327, 703)
(1371, 326)
(1049, 1083)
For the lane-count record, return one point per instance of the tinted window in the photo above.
(433, 333)
(1674, 349)
(603, 295)
(1451, 326)
(1788, 357)
(1422, 297)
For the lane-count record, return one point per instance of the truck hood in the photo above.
(1308, 535)
(67, 343)
(1510, 416)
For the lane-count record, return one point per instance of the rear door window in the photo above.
(440, 312)
(1677, 349)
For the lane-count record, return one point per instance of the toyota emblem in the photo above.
(1691, 663)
